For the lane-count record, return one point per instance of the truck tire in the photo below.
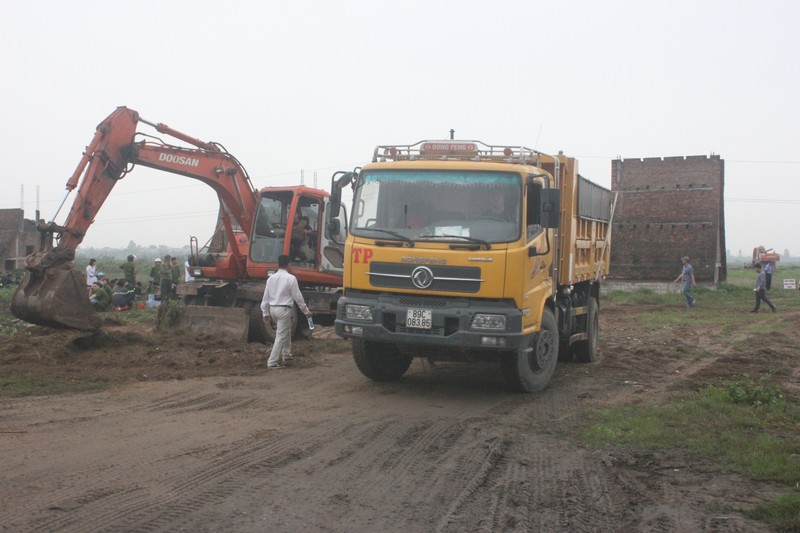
(586, 351)
(530, 370)
(379, 362)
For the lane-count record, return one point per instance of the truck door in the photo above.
(537, 259)
(332, 244)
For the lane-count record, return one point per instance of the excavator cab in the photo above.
(291, 221)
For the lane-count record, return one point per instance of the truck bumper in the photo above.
(451, 326)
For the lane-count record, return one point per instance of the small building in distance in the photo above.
(18, 239)
(668, 208)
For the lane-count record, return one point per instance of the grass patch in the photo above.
(17, 386)
(169, 313)
(744, 426)
(9, 324)
(638, 297)
(782, 514)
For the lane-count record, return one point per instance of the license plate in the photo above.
(419, 318)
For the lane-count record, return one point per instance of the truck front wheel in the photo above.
(530, 368)
(380, 362)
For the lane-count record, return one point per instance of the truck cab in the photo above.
(454, 252)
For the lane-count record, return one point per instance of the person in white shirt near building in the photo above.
(280, 295)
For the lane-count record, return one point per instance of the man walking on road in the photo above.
(280, 295)
(687, 276)
(761, 289)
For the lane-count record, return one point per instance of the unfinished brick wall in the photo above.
(668, 208)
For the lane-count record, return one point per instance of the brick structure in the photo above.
(18, 239)
(668, 208)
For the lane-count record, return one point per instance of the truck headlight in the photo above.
(487, 322)
(357, 312)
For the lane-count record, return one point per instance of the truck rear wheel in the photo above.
(586, 351)
(379, 362)
(530, 369)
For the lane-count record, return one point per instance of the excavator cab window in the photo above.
(270, 230)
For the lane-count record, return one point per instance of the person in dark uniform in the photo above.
(167, 287)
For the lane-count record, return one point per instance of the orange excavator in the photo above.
(763, 255)
(254, 227)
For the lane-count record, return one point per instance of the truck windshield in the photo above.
(425, 203)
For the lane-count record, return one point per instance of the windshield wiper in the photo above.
(483, 243)
(394, 234)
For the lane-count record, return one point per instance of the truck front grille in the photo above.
(444, 278)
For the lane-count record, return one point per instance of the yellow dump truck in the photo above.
(464, 251)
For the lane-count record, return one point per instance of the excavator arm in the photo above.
(51, 292)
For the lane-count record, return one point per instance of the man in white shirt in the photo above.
(280, 295)
(91, 273)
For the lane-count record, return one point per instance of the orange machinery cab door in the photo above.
(331, 241)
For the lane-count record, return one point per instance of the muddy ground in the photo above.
(195, 434)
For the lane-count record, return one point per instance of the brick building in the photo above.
(668, 208)
(18, 239)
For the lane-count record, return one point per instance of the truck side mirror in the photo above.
(337, 184)
(551, 208)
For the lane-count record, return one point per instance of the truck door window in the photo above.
(533, 222)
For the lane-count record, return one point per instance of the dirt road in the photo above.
(318, 447)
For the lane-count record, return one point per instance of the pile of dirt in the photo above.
(132, 352)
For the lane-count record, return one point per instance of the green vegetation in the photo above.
(782, 514)
(9, 325)
(18, 386)
(740, 426)
(746, 425)
(169, 313)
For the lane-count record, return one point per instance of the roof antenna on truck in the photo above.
(452, 133)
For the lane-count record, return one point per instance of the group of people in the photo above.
(166, 275)
(120, 294)
(763, 284)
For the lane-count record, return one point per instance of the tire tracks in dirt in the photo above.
(317, 447)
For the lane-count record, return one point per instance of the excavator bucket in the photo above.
(54, 296)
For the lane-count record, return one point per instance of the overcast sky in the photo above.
(315, 85)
